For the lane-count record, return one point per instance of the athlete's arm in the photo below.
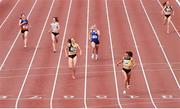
(80, 51)
(66, 53)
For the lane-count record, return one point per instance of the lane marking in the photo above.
(101, 97)
(178, 2)
(133, 96)
(36, 97)
(34, 54)
(59, 60)
(86, 58)
(159, 42)
(68, 97)
(139, 56)
(7, 55)
(167, 96)
(9, 13)
(3, 97)
(112, 55)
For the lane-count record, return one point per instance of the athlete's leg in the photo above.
(93, 45)
(168, 23)
(53, 42)
(25, 38)
(74, 67)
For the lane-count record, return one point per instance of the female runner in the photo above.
(167, 12)
(54, 32)
(71, 52)
(24, 25)
(94, 34)
(127, 64)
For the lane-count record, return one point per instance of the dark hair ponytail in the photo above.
(56, 19)
(130, 53)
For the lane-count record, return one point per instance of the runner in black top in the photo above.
(24, 25)
(71, 52)
(127, 64)
(167, 12)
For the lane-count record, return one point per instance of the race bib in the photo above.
(94, 36)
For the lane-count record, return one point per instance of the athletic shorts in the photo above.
(55, 34)
(72, 56)
(167, 16)
(95, 41)
(126, 70)
(23, 31)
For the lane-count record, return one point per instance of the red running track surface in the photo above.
(36, 77)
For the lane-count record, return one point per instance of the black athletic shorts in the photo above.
(72, 56)
(127, 70)
(23, 31)
(167, 16)
(55, 34)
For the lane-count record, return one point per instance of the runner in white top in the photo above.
(54, 32)
(167, 12)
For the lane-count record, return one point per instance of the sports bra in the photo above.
(72, 49)
(168, 8)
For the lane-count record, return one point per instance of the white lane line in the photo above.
(60, 56)
(170, 21)
(112, 54)
(9, 13)
(86, 60)
(34, 54)
(178, 2)
(139, 56)
(7, 55)
(159, 42)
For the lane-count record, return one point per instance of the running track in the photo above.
(36, 77)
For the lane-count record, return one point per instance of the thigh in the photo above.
(74, 61)
(25, 33)
(125, 74)
(70, 62)
(52, 37)
(93, 44)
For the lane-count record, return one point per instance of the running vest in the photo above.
(168, 10)
(72, 49)
(94, 34)
(127, 61)
(24, 23)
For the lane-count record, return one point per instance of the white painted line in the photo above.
(60, 56)
(68, 97)
(112, 54)
(3, 97)
(133, 96)
(159, 42)
(167, 96)
(7, 55)
(178, 2)
(139, 56)
(34, 54)
(171, 21)
(86, 58)
(35, 97)
(9, 13)
(101, 97)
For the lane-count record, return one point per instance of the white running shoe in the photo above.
(92, 56)
(124, 92)
(128, 86)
